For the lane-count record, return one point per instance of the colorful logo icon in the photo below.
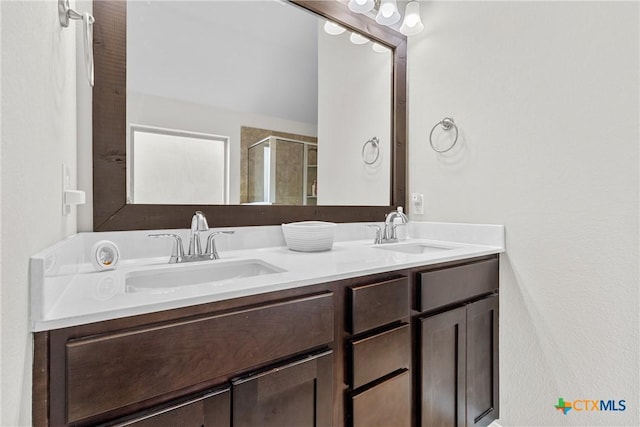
(580, 405)
(563, 406)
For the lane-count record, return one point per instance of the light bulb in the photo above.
(411, 20)
(388, 13)
(386, 10)
(361, 6)
(412, 23)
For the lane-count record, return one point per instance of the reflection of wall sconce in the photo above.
(377, 47)
(388, 14)
(358, 39)
(334, 29)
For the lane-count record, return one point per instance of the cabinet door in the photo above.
(298, 394)
(443, 369)
(210, 410)
(482, 362)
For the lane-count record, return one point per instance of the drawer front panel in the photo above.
(386, 404)
(212, 409)
(110, 371)
(442, 287)
(379, 355)
(378, 304)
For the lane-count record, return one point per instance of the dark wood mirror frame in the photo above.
(110, 209)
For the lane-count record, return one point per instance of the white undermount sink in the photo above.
(415, 248)
(185, 275)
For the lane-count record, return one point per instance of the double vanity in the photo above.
(369, 333)
(398, 334)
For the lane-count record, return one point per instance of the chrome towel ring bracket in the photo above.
(375, 146)
(65, 13)
(447, 124)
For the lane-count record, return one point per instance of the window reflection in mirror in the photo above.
(218, 67)
(184, 167)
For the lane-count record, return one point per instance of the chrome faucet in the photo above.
(389, 234)
(198, 224)
(389, 226)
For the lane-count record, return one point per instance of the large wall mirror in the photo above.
(254, 112)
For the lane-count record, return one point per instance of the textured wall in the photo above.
(546, 98)
(354, 84)
(38, 135)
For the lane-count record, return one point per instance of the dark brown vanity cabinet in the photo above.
(379, 354)
(123, 368)
(458, 345)
(413, 347)
(298, 394)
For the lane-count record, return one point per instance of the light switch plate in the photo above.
(66, 183)
(70, 197)
(417, 203)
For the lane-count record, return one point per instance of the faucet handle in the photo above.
(211, 243)
(177, 253)
(378, 238)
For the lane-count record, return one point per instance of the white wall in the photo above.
(84, 99)
(200, 52)
(546, 98)
(1, 374)
(38, 135)
(354, 82)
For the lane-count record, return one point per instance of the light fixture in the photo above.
(388, 13)
(333, 28)
(412, 23)
(361, 6)
(358, 39)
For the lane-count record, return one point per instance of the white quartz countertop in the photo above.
(81, 295)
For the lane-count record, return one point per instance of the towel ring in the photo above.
(447, 123)
(375, 144)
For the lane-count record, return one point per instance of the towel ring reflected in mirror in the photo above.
(447, 124)
(375, 146)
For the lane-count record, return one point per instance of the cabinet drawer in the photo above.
(379, 355)
(211, 410)
(449, 285)
(386, 404)
(378, 304)
(110, 371)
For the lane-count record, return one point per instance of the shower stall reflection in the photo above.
(282, 171)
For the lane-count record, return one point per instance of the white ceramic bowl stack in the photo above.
(309, 236)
